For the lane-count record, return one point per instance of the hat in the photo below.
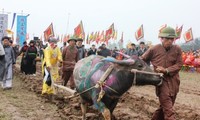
(168, 32)
(72, 39)
(132, 44)
(142, 43)
(103, 44)
(52, 40)
(79, 39)
(32, 41)
(24, 42)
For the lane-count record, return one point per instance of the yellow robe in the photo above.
(51, 59)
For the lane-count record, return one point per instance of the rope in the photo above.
(151, 73)
(135, 71)
(134, 79)
(99, 84)
(77, 94)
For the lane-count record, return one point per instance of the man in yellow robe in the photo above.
(52, 57)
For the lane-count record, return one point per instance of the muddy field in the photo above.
(24, 102)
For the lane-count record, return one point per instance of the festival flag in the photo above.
(27, 36)
(95, 36)
(179, 31)
(109, 33)
(87, 39)
(98, 37)
(49, 32)
(91, 36)
(188, 36)
(41, 38)
(139, 33)
(122, 38)
(3, 24)
(66, 38)
(162, 27)
(102, 36)
(21, 29)
(79, 31)
(115, 35)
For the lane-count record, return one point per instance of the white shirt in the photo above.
(2, 52)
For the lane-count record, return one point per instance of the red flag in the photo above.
(79, 31)
(66, 38)
(188, 36)
(162, 27)
(87, 40)
(139, 33)
(98, 37)
(102, 36)
(48, 32)
(27, 36)
(110, 32)
(179, 31)
(95, 36)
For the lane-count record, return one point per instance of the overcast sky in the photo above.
(98, 15)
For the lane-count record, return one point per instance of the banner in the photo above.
(179, 31)
(110, 32)
(162, 27)
(49, 32)
(79, 31)
(122, 38)
(188, 36)
(3, 25)
(139, 34)
(21, 29)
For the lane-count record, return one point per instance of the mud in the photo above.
(138, 103)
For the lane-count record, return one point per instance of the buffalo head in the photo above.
(134, 68)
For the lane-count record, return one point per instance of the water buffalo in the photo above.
(105, 93)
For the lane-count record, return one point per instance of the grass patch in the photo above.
(188, 76)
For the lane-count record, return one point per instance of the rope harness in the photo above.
(99, 84)
(145, 72)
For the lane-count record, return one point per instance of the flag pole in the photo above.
(67, 23)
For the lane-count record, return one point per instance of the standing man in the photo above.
(166, 58)
(23, 60)
(52, 57)
(132, 50)
(103, 51)
(9, 61)
(2, 62)
(92, 51)
(64, 45)
(70, 56)
(81, 49)
(142, 49)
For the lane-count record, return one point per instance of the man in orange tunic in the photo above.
(70, 57)
(166, 58)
